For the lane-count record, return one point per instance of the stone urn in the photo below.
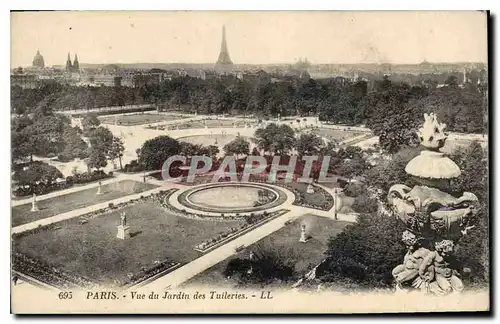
(435, 219)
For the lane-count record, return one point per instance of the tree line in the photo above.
(45, 134)
(337, 100)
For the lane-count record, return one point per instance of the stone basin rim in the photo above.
(246, 209)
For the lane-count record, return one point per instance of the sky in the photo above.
(253, 37)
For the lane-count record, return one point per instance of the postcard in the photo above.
(236, 162)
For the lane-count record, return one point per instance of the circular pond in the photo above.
(232, 197)
(212, 139)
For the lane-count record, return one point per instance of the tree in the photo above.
(21, 146)
(389, 172)
(212, 151)
(267, 266)
(473, 249)
(74, 145)
(190, 149)
(275, 139)
(238, 146)
(472, 161)
(156, 151)
(365, 252)
(101, 139)
(452, 81)
(351, 168)
(45, 135)
(37, 174)
(309, 144)
(365, 204)
(90, 122)
(394, 120)
(97, 159)
(116, 150)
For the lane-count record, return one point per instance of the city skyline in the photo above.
(252, 37)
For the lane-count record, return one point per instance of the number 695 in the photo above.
(65, 295)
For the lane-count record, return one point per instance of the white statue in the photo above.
(34, 207)
(99, 190)
(123, 219)
(303, 235)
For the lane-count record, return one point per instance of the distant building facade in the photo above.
(143, 79)
(24, 80)
(38, 61)
(72, 67)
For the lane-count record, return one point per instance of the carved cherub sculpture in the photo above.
(444, 279)
(409, 270)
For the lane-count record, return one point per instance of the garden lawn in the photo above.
(212, 123)
(138, 119)
(212, 139)
(92, 249)
(22, 214)
(454, 144)
(316, 198)
(336, 134)
(286, 243)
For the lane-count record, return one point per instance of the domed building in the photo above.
(38, 61)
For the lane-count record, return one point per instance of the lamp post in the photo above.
(335, 204)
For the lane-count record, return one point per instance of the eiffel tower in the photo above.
(224, 59)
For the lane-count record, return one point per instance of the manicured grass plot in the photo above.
(213, 123)
(213, 139)
(93, 251)
(455, 144)
(138, 119)
(317, 198)
(22, 214)
(336, 134)
(285, 242)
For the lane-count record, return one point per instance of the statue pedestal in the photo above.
(123, 232)
(98, 193)
(310, 189)
(34, 208)
(303, 238)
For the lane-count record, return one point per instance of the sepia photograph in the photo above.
(236, 162)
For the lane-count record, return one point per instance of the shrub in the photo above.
(365, 204)
(268, 266)
(89, 177)
(355, 189)
(366, 251)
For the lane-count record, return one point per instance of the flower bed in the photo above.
(48, 274)
(300, 197)
(133, 167)
(164, 203)
(81, 178)
(233, 233)
(87, 177)
(148, 274)
(40, 189)
(300, 200)
(107, 111)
